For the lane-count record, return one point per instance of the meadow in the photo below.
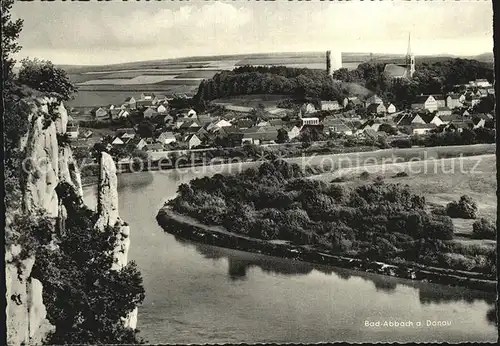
(439, 180)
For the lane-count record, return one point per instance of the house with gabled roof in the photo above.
(162, 108)
(123, 113)
(454, 101)
(376, 108)
(443, 111)
(390, 108)
(126, 132)
(425, 102)
(99, 112)
(131, 102)
(160, 99)
(329, 105)
(147, 96)
(192, 140)
(420, 129)
(150, 113)
(166, 138)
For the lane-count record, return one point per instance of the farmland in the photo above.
(440, 181)
(102, 85)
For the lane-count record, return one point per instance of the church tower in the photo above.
(410, 61)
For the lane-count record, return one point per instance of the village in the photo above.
(161, 129)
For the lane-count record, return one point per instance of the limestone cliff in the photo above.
(47, 163)
(107, 210)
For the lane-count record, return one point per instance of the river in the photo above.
(204, 294)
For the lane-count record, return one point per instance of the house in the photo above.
(445, 119)
(306, 108)
(150, 113)
(168, 119)
(222, 123)
(331, 126)
(425, 102)
(166, 138)
(409, 119)
(123, 113)
(354, 101)
(465, 113)
(374, 99)
(478, 122)
(441, 100)
(244, 123)
(192, 140)
(160, 99)
(114, 112)
(368, 125)
(162, 108)
(459, 125)
(329, 105)
(126, 133)
(482, 93)
(154, 146)
(453, 101)
(376, 108)
(149, 96)
(475, 101)
(310, 121)
(233, 135)
(87, 134)
(191, 114)
(482, 83)
(391, 108)
(432, 119)
(137, 143)
(462, 98)
(443, 111)
(292, 132)
(262, 123)
(490, 91)
(99, 112)
(204, 119)
(275, 122)
(130, 102)
(264, 137)
(190, 126)
(73, 130)
(118, 141)
(420, 129)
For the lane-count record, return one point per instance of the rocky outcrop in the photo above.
(46, 163)
(107, 210)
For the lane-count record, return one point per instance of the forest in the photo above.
(378, 221)
(307, 84)
(247, 80)
(429, 78)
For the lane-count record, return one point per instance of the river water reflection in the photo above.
(203, 294)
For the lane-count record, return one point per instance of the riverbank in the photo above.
(191, 229)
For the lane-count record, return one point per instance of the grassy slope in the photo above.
(440, 181)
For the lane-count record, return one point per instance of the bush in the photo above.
(465, 208)
(483, 229)
(400, 175)
(365, 175)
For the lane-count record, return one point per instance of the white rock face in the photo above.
(107, 209)
(26, 314)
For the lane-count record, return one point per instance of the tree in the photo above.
(145, 129)
(465, 208)
(484, 229)
(10, 34)
(282, 136)
(390, 130)
(42, 75)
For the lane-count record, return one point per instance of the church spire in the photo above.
(409, 46)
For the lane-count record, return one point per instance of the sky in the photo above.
(89, 33)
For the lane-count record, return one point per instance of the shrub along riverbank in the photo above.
(371, 223)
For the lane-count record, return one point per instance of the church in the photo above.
(398, 71)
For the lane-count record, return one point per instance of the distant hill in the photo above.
(314, 59)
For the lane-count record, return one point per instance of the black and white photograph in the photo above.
(229, 172)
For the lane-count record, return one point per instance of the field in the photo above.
(183, 75)
(440, 181)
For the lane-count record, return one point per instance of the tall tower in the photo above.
(329, 62)
(410, 61)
